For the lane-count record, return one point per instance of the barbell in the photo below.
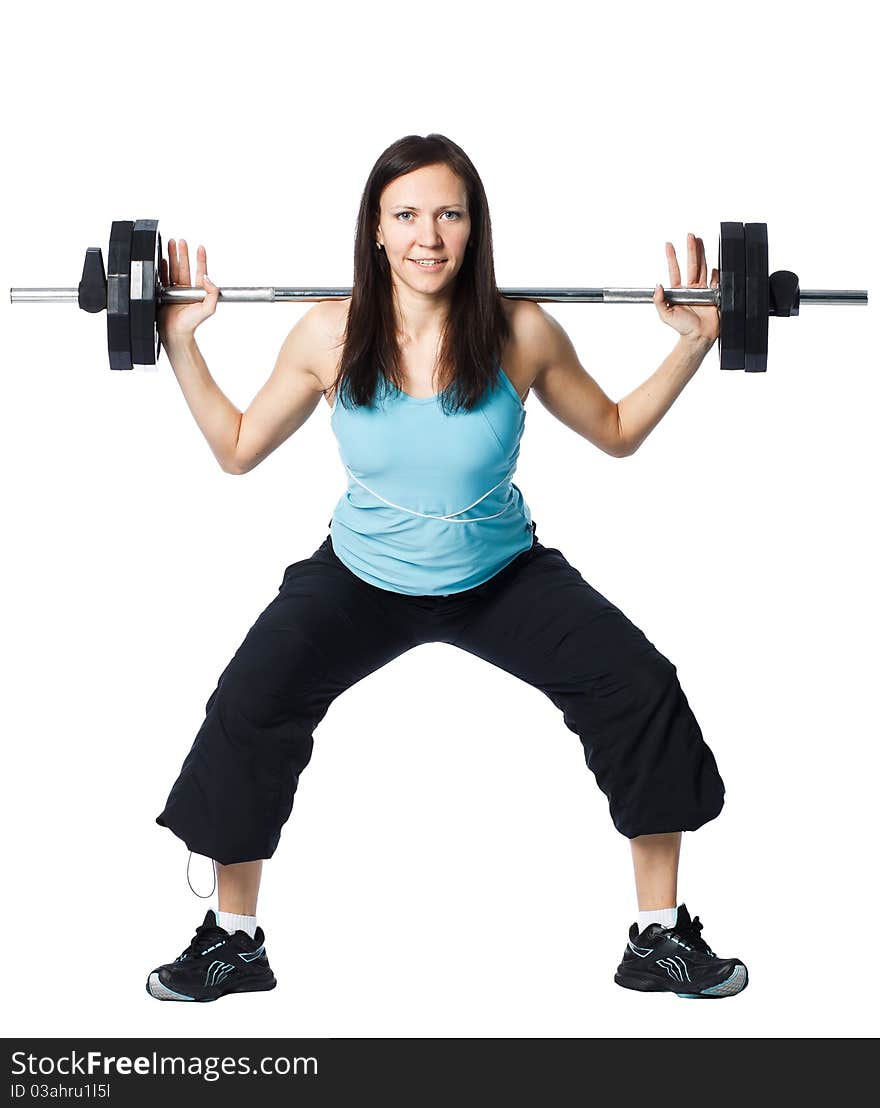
(131, 291)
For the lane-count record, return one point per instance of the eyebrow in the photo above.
(409, 208)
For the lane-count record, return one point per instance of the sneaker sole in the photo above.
(160, 991)
(729, 987)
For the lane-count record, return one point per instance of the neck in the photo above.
(420, 318)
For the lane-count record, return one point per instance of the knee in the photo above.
(258, 696)
(641, 683)
(656, 677)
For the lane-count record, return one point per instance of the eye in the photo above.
(457, 215)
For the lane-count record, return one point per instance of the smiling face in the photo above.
(424, 218)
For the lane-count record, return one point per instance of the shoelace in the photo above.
(204, 933)
(691, 934)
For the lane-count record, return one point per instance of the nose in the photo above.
(429, 234)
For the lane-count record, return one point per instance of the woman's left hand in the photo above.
(692, 321)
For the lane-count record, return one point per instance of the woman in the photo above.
(433, 543)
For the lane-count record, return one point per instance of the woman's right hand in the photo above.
(179, 321)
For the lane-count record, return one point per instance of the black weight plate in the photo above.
(118, 294)
(732, 281)
(757, 297)
(144, 273)
(158, 289)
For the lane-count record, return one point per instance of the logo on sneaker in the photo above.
(674, 967)
(254, 955)
(217, 971)
(642, 952)
(214, 947)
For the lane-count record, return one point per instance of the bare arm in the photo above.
(291, 394)
(645, 406)
(217, 417)
(697, 327)
(570, 394)
(562, 384)
(566, 389)
(239, 440)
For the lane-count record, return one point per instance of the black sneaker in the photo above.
(676, 960)
(215, 963)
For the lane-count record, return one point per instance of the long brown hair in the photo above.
(476, 328)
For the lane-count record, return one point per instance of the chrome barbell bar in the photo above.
(178, 294)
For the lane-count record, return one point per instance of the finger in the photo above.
(163, 271)
(202, 277)
(693, 260)
(674, 271)
(663, 305)
(701, 261)
(183, 263)
(715, 276)
(211, 290)
(172, 260)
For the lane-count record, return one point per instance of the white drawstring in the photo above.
(207, 896)
(448, 518)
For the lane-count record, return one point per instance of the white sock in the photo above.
(666, 917)
(232, 923)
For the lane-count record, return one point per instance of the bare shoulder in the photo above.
(528, 320)
(529, 329)
(328, 319)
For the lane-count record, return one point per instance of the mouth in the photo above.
(429, 264)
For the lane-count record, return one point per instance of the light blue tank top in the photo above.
(430, 507)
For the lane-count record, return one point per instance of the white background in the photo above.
(450, 867)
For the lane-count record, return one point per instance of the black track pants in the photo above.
(537, 619)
